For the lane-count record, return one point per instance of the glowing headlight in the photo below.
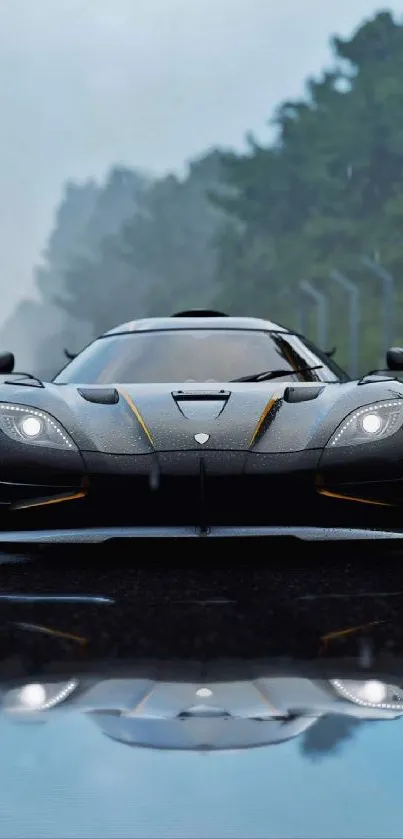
(371, 423)
(374, 422)
(370, 694)
(29, 425)
(31, 698)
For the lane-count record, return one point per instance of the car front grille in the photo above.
(212, 501)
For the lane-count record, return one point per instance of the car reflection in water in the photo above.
(211, 715)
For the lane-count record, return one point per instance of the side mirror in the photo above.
(7, 362)
(394, 358)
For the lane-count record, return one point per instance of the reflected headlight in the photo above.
(29, 425)
(370, 694)
(374, 422)
(38, 697)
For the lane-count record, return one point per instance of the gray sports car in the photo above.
(196, 425)
(162, 712)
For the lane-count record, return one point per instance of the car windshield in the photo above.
(198, 355)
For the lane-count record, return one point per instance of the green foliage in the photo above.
(241, 231)
(134, 247)
(81, 270)
(329, 189)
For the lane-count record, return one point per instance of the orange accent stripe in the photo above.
(262, 418)
(342, 633)
(33, 627)
(57, 499)
(339, 495)
(264, 699)
(68, 636)
(322, 490)
(138, 709)
(136, 413)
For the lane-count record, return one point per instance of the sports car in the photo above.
(161, 711)
(197, 425)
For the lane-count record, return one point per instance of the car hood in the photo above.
(266, 417)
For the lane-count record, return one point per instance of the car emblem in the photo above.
(202, 438)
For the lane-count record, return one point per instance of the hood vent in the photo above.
(201, 405)
(203, 711)
(99, 395)
(302, 394)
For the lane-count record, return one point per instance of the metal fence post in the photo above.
(388, 313)
(353, 291)
(321, 311)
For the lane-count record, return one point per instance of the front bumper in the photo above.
(306, 495)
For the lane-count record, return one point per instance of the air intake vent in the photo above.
(302, 394)
(99, 395)
(202, 405)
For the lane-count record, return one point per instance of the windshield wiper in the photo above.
(22, 380)
(274, 374)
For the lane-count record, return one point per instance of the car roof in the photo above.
(196, 322)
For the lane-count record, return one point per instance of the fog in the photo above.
(149, 84)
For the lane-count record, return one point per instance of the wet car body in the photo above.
(139, 706)
(218, 457)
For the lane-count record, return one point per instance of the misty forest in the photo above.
(239, 231)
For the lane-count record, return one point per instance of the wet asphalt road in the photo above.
(234, 600)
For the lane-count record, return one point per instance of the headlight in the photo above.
(32, 698)
(370, 694)
(29, 425)
(374, 422)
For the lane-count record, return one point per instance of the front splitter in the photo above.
(107, 534)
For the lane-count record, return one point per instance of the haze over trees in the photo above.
(241, 230)
(328, 190)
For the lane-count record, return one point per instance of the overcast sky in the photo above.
(149, 83)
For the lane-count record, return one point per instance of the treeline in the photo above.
(240, 231)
